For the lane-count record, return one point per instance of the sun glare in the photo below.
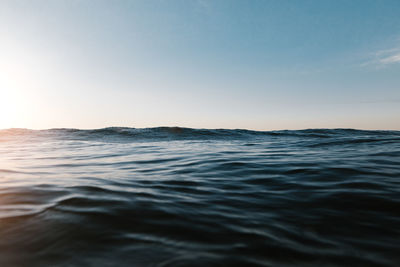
(11, 101)
(16, 79)
(8, 109)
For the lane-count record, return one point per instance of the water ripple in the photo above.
(185, 197)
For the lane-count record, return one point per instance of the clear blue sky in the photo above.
(205, 64)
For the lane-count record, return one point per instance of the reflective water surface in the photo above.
(187, 197)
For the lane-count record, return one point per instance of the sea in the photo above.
(171, 196)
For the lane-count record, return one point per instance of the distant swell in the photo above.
(168, 133)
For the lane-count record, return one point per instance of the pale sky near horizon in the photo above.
(263, 65)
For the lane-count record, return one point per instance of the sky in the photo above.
(262, 65)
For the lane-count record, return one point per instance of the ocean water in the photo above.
(188, 197)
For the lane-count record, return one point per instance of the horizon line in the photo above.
(193, 128)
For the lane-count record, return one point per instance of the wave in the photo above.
(171, 133)
(102, 197)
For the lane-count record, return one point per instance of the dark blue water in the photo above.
(187, 197)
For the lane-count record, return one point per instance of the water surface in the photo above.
(189, 197)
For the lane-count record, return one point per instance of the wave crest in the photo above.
(172, 133)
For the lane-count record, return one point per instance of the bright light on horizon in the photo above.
(18, 81)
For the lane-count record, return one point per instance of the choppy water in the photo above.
(186, 197)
